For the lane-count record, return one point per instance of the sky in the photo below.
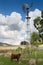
(13, 22)
(8, 6)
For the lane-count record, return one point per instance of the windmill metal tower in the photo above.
(26, 8)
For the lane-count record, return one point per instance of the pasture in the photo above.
(5, 58)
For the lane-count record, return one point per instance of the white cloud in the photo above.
(13, 29)
(14, 18)
(34, 14)
(2, 20)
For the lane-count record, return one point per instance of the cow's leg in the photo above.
(17, 59)
(11, 59)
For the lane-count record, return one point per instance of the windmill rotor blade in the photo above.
(31, 5)
(25, 6)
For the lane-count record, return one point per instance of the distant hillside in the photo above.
(5, 44)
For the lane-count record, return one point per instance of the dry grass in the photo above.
(32, 62)
(12, 47)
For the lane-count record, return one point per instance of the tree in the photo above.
(24, 43)
(38, 23)
(34, 38)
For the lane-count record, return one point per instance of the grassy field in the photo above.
(24, 60)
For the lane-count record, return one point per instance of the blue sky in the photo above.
(8, 6)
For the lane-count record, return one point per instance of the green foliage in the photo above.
(19, 49)
(24, 42)
(39, 43)
(42, 14)
(41, 22)
(34, 38)
(37, 19)
(38, 23)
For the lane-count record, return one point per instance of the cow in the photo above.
(15, 56)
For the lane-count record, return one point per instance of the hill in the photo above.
(5, 44)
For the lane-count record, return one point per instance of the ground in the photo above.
(24, 59)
